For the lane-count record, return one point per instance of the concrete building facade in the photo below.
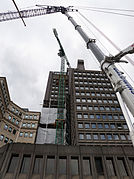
(16, 124)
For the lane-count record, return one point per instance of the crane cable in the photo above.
(111, 9)
(117, 48)
(109, 12)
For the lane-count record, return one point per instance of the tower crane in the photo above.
(119, 82)
(60, 121)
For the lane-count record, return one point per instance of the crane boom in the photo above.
(32, 12)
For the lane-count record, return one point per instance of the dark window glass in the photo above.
(110, 167)
(14, 131)
(131, 163)
(13, 163)
(25, 164)
(50, 169)
(116, 136)
(99, 166)
(81, 136)
(38, 164)
(106, 126)
(93, 126)
(95, 136)
(102, 136)
(86, 166)
(80, 125)
(74, 166)
(88, 136)
(100, 126)
(6, 140)
(122, 167)
(87, 126)
(62, 165)
(109, 136)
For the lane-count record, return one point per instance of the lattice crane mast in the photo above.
(60, 121)
(119, 82)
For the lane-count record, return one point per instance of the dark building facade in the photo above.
(50, 161)
(98, 145)
(96, 115)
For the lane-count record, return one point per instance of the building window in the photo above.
(50, 168)
(6, 140)
(31, 135)
(24, 125)
(83, 100)
(131, 164)
(10, 129)
(74, 166)
(85, 116)
(116, 136)
(1, 137)
(80, 125)
(6, 127)
(122, 167)
(98, 116)
(87, 126)
(33, 125)
(84, 107)
(13, 120)
(90, 107)
(123, 137)
(106, 126)
(96, 108)
(91, 116)
(21, 134)
(14, 131)
(9, 117)
(28, 125)
(17, 122)
(99, 166)
(125, 126)
(109, 136)
(77, 99)
(38, 164)
(110, 116)
(104, 116)
(100, 126)
(26, 134)
(112, 126)
(78, 107)
(81, 136)
(95, 136)
(88, 136)
(93, 126)
(13, 163)
(110, 167)
(25, 164)
(62, 165)
(101, 108)
(79, 116)
(86, 166)
(116, 117)
(102, 136)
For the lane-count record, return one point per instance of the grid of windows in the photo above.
(104, 136)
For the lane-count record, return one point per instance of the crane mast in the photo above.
(60, 121)
(119, 82)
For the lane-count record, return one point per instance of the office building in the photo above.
(97, 139)
(16, 124)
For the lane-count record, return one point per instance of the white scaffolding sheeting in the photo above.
(48, 115)
(46, 136)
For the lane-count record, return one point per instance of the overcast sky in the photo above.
(27, 54)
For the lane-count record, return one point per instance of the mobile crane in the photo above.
(119, 82)
(60, 121)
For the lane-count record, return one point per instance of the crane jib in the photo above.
(124, 80)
